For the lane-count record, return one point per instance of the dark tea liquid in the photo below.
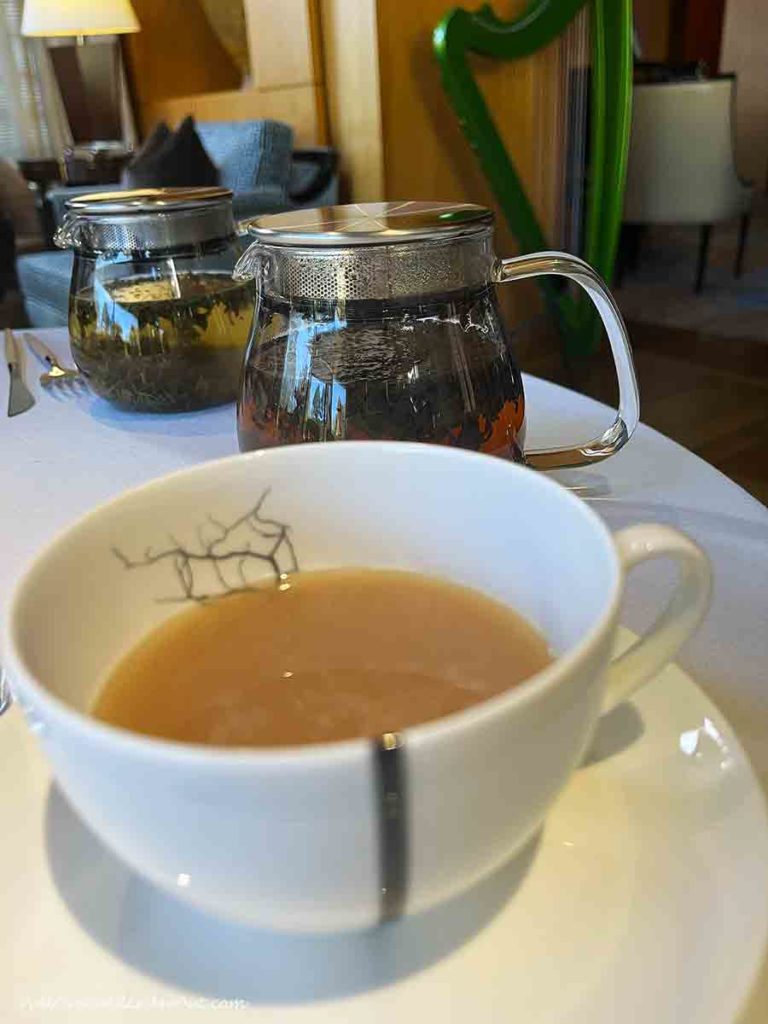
(440, 371)
(164, 344)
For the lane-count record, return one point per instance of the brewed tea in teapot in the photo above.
(380, 321)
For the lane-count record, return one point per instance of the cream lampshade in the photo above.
(91, 80)
(78, 18)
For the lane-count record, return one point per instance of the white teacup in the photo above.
(335, 836)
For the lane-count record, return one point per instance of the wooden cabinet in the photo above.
(178, 66)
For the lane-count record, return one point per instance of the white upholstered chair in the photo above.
(681, 166)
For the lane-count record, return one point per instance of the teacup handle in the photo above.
(680, 617)
(622, 428)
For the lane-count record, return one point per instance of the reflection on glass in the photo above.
(692, 739)
(436, 371)
(160, 335)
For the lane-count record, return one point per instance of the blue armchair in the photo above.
(254, 160)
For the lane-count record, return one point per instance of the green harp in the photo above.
(462, 33)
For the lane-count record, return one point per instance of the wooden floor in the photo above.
(710, 395)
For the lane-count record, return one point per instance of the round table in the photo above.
(73, 450)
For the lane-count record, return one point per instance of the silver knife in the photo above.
(19, 398)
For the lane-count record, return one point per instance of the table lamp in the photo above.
(89, 77)
(78, 18)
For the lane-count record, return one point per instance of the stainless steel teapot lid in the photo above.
(370, 224)
(370, 251)
(147, 200)
(146, 220)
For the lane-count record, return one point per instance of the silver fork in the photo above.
(56, 375)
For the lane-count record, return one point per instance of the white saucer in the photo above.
(644, 901)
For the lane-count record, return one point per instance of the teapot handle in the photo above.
(67, 236)
(622, 428)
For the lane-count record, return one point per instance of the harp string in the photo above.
(571, 133)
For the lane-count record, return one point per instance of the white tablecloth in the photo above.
(70, 452)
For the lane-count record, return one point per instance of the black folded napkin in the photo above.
(171, 158)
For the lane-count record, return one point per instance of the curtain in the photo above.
(32, 118)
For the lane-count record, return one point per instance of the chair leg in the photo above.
(621, 256)
(628, 251)
(635, 244)
(738, 266)
(701, 266)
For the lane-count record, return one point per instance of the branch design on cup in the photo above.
(224, 557)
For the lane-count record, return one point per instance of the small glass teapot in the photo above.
(156, 322)
(380, 321)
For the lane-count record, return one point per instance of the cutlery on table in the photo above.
(56, 373)
(19, 398)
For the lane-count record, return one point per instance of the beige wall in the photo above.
(350, 68)
(745, 51)
(197, 75)
(159, 71)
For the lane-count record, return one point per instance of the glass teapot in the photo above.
(156, 323)
(380, 321)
